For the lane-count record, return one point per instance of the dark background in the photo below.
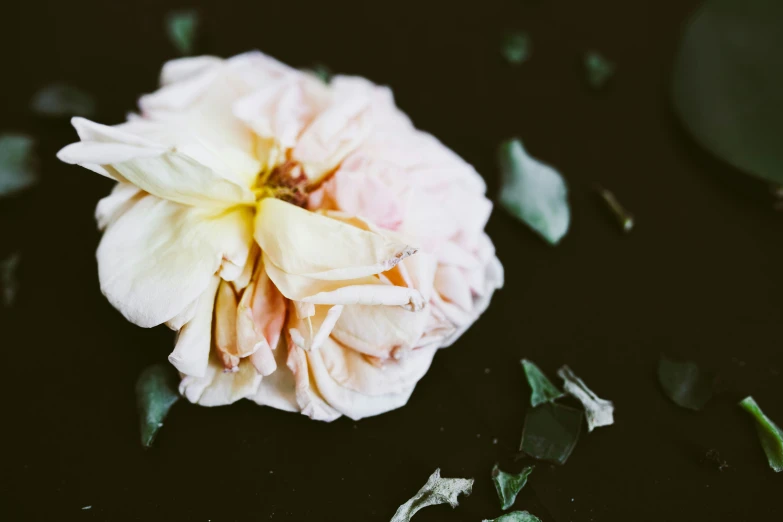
(698, 278)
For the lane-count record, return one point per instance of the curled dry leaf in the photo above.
(599, 412)
(516, 516)
(437, 490)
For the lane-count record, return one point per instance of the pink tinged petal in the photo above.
(158, 257)
(356, 191)
(225, 326)
(380, 331)
(123, 196)
(191, 352)
(241, 282)
(308, 398)
(218, 387)
(451, 284)
(278, 390)
(311, 332)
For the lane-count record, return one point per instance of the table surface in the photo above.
(698, 278)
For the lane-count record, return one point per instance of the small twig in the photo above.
(624, 218)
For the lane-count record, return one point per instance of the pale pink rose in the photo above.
(310, 246)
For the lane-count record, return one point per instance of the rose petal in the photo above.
(122, 197)
(191, 352)
(218, 387)
(225, 326)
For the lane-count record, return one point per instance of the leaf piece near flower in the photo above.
(516, 47)
(322, 72)
(599, 412)
(155, 395)
(516, 516)
(437, 490)
(509, 485)
(551, 432)
(181, 27)
(542, 389)
(770, 435)
(684, 383)
(61, 100)
(599, 69)
(8, 267)
(533, 192)
(17, 166)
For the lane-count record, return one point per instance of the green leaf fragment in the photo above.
(599, 69)
(508, 485)
(181, 27)
(551, 432)
(542, 389)
(437, 490)
(322, 72)
(516, 516)
(685, 383)
(156, 393)
(533, 192)
(516, 47)
(599, 412)
(17, 165)
(60, 100)
(770, 435)
(8, 267)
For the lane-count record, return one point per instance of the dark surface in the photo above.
(698, 278)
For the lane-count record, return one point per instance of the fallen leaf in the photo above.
(599, 412)
(437, 490)
(508, 485)
(516, 47)
(181, 27)
(516, 516)
(155, 395)
(60, 100)
(599, 69)
(685, 383)
(770, 435)
(17, 165)
(551, 432)
(8, 267)
(541, 389)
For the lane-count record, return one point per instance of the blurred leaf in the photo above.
(770, 435)
(8, 267)
(542, 389)
(17, 165)
(516, 516)
(533, 192)
(516, 47)
(508, 486)
(599, 412)
(599, 69)
(181, 27)
(728, 83)
(155, 395)
(551, 432)
(61, 100)
(322, 72)
(685, 383)
(436, 491)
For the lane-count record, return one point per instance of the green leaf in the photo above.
(599, 69)
(17, 165)
(508, 486)
(551, 432)
(533, 192)
(181, 27)
(770, 435)
(728, 83)
(60, 100)
(685, 383)
(322, 72)
(8, 267)
(156, 393)
(436, 491)
(599, 412)
(516, 516)
(516, 47)
(542, 389)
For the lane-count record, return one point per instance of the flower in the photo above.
(310, 246)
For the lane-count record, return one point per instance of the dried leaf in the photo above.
(17, 166)
(516, 516)
(551, 432)
(155, 395)
(181, 27)
(8, 267)
(61, 100)
(685, 383)
(516, 47)
(599, 69)
(599, 412)
(533, 192)
(542, 389)
(437, 490)
(770, 435)
(508, 486)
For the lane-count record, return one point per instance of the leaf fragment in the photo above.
(533, 192)
(322, 72)
(509, 485)
(17, 164)
(599, 412)
(551, 432)
(181, 27)
(770, 435)
(515, 516)
(516, 47)
(437, 490)
(542, 389)
(599, 69)
(8, 267)
(62, 100)
(684, 383)
(155, 395)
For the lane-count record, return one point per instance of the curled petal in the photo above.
(218, 387)
(308, 398)
(122, 197)
(191, 352)
(278, 390)
(225, 326)
(451, 284)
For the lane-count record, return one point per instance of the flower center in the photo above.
(287, 181)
